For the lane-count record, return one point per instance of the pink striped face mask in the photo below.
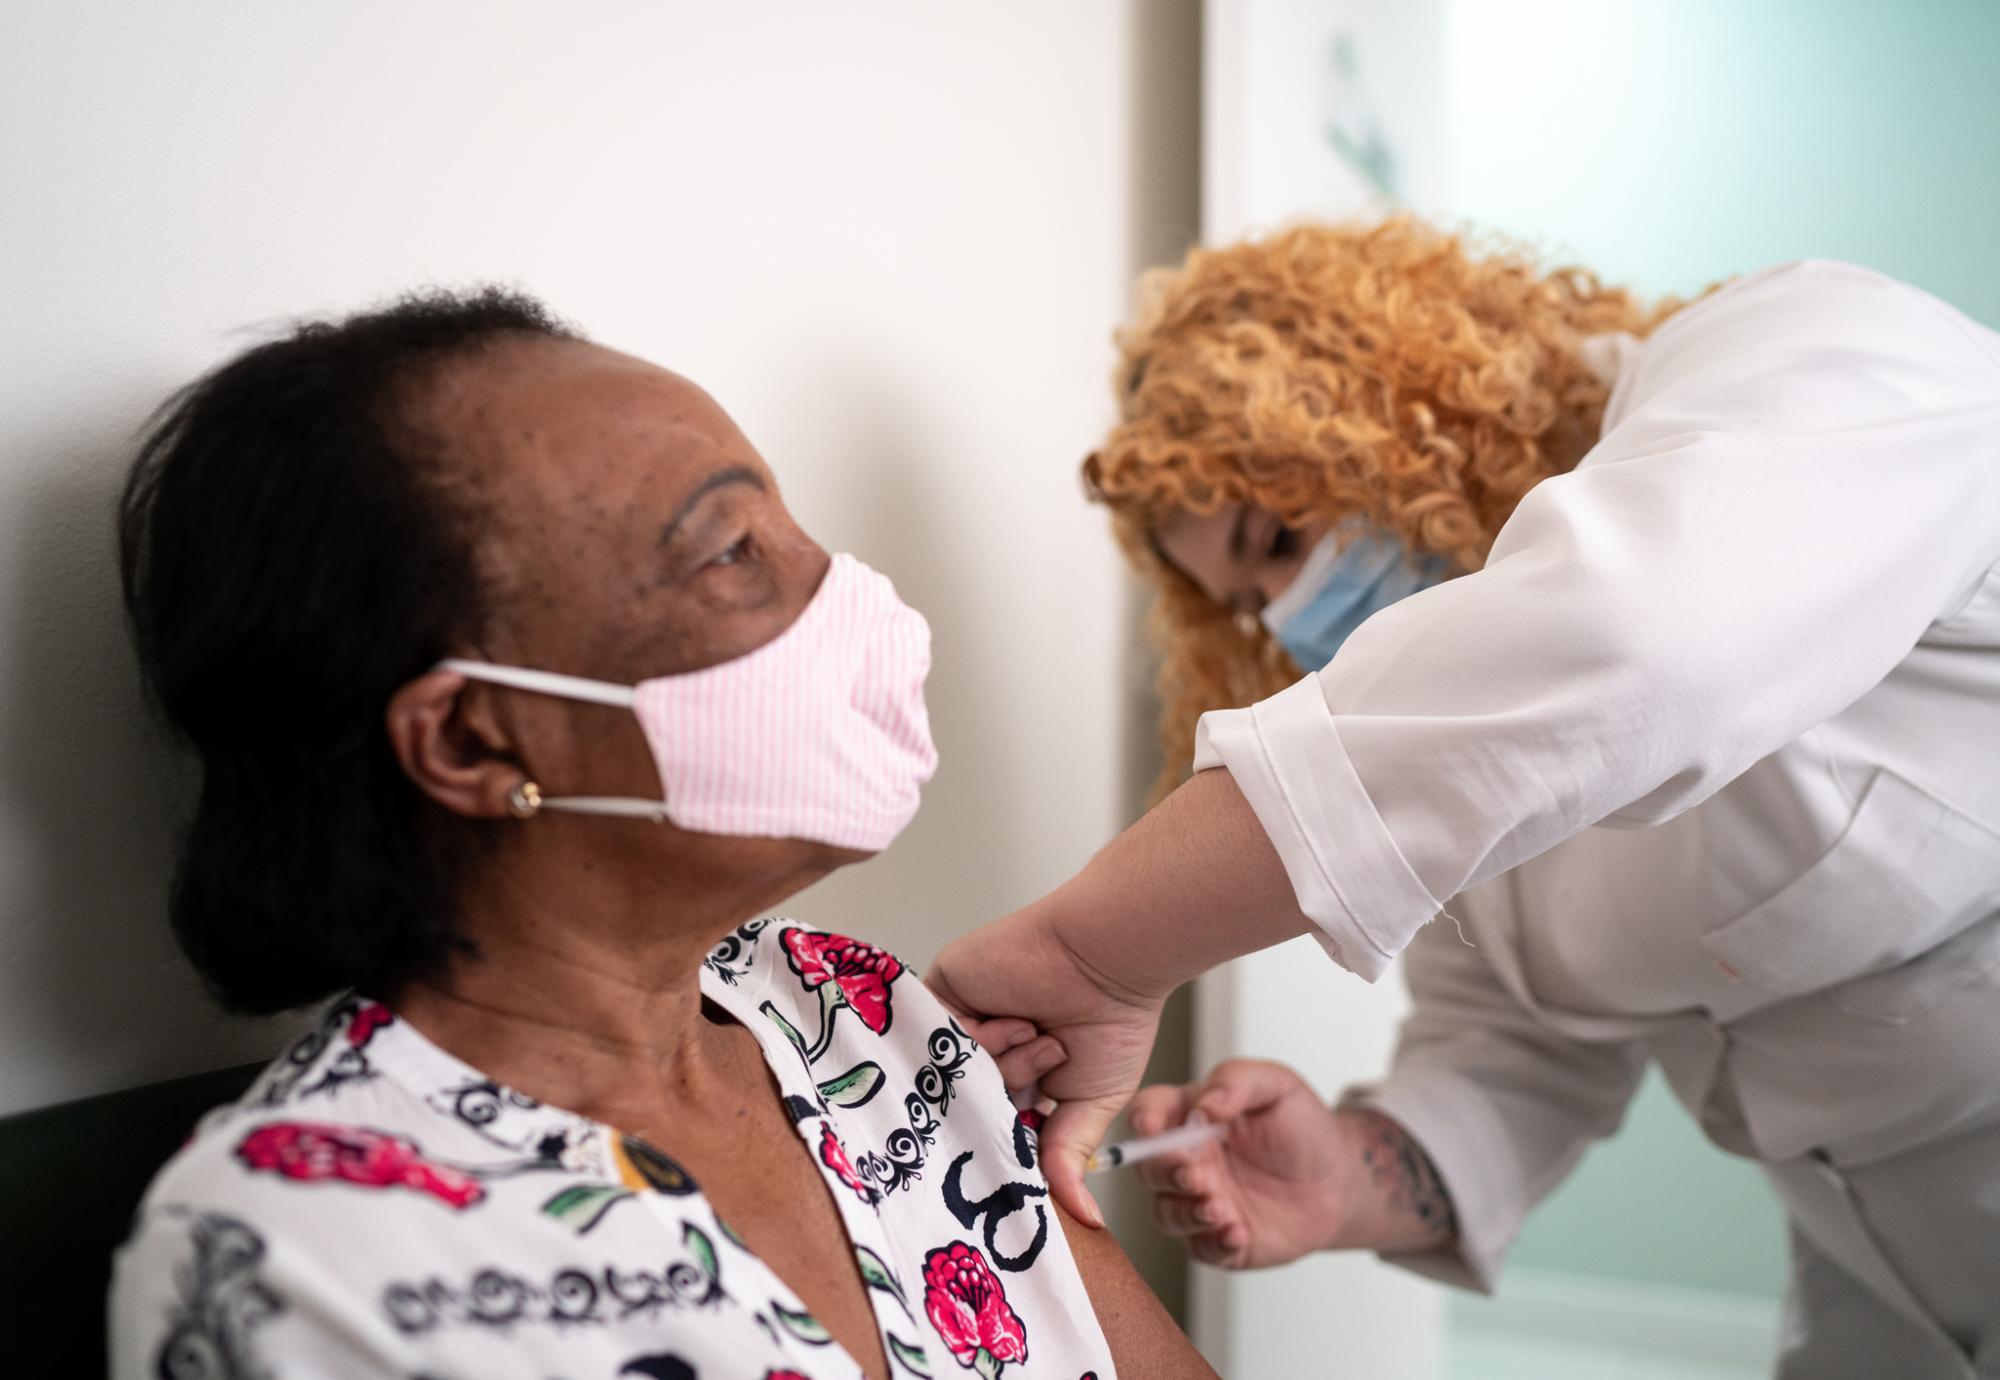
(820, 734)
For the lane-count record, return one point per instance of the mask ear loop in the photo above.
(526, 800)
(621, 806)
(543, 682)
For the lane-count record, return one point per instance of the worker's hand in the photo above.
(1272, 1189)
(1291, 1176)
(1016, 977)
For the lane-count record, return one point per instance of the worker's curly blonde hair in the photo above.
(1375, 370)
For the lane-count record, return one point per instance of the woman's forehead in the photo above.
(567, 417)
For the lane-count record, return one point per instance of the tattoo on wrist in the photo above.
(1408, 1180)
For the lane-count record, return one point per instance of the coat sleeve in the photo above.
(1503, 1106)
(1797, 477)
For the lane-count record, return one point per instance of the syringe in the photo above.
(1198, 1131)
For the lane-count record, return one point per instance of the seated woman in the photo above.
(572, 1110)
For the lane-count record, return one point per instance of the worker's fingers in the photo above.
(1160, 1107)
(1072, 1135)
(1200, 1173)
(1160, 1175)
(1223, 1248)
(1182, 1214)
(1023, 1066)
(942, 989)
(1183, 1171)
(1237, 1086)
(1003, 1033)
(995, 1034)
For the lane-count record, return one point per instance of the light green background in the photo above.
(1668, 144)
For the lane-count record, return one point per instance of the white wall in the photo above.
(891, 237)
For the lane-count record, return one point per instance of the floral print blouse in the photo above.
(375, 1207)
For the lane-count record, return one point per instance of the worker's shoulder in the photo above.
(1813, 342)
(1825, 304)
(1817, 275)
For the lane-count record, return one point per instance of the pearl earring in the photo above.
(525, 800)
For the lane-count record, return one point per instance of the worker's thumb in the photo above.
(1237, 1087)
(1073, 1134)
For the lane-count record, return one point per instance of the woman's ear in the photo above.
(452, 746)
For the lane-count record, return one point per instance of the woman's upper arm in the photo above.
(1144, 1339)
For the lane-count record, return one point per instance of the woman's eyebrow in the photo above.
(722, 478)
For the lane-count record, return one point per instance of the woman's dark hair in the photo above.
(290, 557)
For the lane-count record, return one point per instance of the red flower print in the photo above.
(969, 1309)
(862, 971)
(366, 1022)
(834, 1155)
(786, 1375)
(368, 1159)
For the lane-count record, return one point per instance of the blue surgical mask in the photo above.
(1339, 587)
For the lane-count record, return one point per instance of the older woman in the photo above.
(574, 1109)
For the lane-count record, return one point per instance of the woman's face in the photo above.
(623, 528)
(1241, 556)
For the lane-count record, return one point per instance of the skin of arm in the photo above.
(1402, 1206)
(1143, 1337)
(1143, 910)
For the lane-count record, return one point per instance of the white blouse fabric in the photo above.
(374, 1206)
(1798, 476)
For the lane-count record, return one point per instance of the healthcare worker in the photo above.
(1660, 650)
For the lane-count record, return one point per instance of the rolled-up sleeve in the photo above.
(1797, 477)
(1285, 756)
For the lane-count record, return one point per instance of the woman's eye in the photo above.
(737, 552)
(1284, 542)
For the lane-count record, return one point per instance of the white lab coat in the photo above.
(1755, 638)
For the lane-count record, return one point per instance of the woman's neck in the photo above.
(585, 992)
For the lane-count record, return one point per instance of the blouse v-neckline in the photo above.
(427, 1069)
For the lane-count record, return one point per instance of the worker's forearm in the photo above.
(1394, 1200)
(1192, 884)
